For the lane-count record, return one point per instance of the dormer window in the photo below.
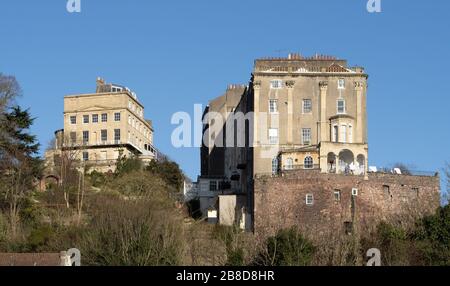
(116, 89)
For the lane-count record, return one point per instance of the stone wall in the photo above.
(280, 202)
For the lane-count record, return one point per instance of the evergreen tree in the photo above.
(169, 171)
(19, 163)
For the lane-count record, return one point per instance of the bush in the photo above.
(138, 183)
(169, 171)
(40, 237)
(97, 179)
(287, 248)
(3, 232)
(140, 232)
(433, 234)
(125, 165)
(235, 257)
(395, 244)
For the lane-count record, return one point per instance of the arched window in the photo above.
(275, 166)
(309, 163)
(289, 164)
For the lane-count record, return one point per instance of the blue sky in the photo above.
(174, 54)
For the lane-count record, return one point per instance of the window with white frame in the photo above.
(341, 83)
(306, 136)
(307, 106)
(129, 119)
(354, 192)
(276, 84)
(309, 199)
(275, 166)
(309, 162)
(337, 195)
(73, 120)
(85, 118)
(94, 118)
(117, 135)
(104, 135)
(85, 137)
(335, 133)
(273, 136)
(117, 116)
(341, 106)
(343, 135)
(289, 164)
(104, 117)
(129, 104)
(273, 106)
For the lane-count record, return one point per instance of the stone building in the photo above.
(99, 127)
(214, 173)
(298, 116)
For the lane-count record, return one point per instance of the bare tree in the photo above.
(80, 192)
(16, 183)
(67, 163)
(447, 175)
(9, 90)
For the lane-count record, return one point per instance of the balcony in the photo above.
(301, 167)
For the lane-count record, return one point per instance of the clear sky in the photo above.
(174, 54)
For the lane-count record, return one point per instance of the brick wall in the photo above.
(280, 202)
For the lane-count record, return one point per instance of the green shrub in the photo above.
(126, 165)
(40, 237)
(287, 248)
(140, 232)
(98, 179)
(236, 257)
(433, 236)
(169, 171)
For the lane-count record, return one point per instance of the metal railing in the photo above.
(301, 167)
(407, 172)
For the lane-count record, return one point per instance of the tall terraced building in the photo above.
(99, 127)
(303, 153)
(314, 115)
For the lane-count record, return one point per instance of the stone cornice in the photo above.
(312, 74)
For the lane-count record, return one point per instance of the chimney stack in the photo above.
(100, 83)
